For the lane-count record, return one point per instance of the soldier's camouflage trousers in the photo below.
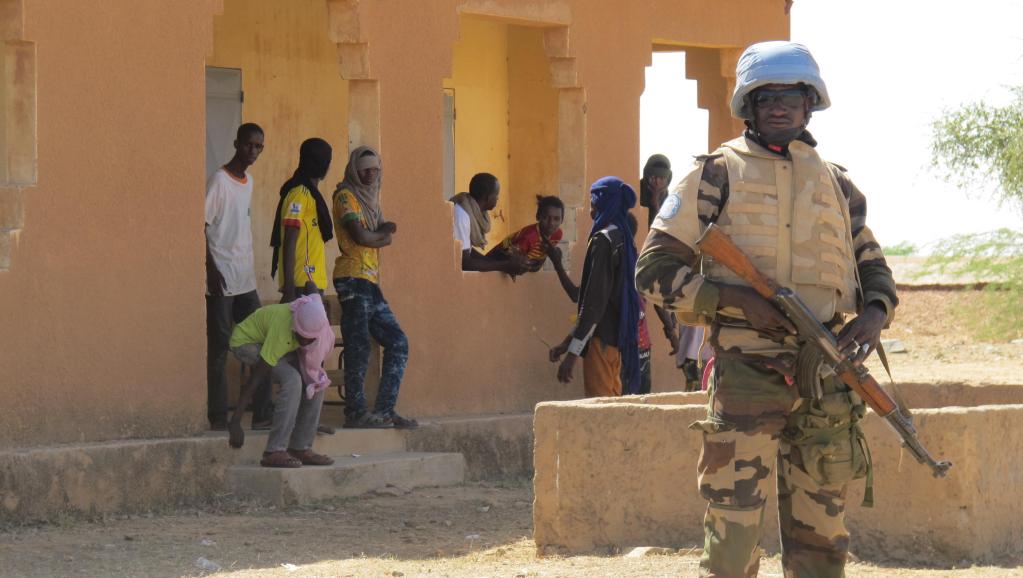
(758, 426)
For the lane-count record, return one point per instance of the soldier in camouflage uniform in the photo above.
(802, 221)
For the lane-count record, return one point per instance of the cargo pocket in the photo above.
(734, 467)
(838, 460)
(831, 446)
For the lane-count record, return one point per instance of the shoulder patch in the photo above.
(670, 207)
(295, 208)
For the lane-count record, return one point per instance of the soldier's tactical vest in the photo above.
(792, 219)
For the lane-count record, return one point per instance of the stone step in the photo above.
(343, 443)
(349, 476)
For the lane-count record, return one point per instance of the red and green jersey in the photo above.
(527, 241)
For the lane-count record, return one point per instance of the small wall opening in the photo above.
(501, 117)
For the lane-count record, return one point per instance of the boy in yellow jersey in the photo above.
(302, 225)
(365, 314)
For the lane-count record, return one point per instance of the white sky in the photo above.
(891, 69)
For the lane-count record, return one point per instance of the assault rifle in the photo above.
(720, 247)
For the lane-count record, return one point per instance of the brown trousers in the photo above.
(602, 370)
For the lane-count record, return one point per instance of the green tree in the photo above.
(982, 144)
(902, 249)
(974, 146)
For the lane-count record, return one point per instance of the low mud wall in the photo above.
(114, 477)
(613, 475)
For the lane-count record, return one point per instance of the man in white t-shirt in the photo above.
(472, 223)
(230, 274)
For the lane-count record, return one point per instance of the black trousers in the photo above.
(222, 313)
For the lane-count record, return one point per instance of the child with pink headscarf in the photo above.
(287, 342)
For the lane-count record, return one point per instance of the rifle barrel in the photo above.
(907, 432)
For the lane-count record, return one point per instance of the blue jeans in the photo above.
(364, 315)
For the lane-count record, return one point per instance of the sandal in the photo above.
(279, 460)
(403, 422)
(367, 420)
(311, 458)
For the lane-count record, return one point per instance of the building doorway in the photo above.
(224, 99)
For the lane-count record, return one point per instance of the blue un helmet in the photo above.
(776, 62)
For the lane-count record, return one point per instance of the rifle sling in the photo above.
(903, 408)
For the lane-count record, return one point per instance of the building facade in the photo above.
(114, 110)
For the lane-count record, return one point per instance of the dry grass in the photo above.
(941, 346)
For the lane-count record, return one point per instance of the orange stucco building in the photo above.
(103, 133)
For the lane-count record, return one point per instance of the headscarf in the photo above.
(313, 162)
(611, 200)
(479, 220)
(368, 195)
(309, 320)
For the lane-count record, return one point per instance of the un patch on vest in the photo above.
(670, 207)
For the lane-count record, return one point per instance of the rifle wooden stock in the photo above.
(719, 246)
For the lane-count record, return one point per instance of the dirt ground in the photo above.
(471, 531)
(940, 347)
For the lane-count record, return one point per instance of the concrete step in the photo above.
(349, 476)
(343, 443)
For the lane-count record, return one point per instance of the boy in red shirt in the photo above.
(533, 241)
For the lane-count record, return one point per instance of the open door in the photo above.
(223, 114)
(449, 143)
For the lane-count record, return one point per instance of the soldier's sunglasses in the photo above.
(789, 98)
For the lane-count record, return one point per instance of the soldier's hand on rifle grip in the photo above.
(761, 314)
(861, 335)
